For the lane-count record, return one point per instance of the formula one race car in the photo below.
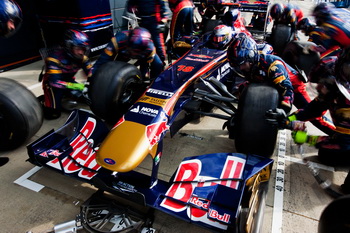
(220, 191)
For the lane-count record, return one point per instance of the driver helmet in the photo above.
(9, 12)
(242, 49)
(230, 17)
(221, 36)
(322, 12)
(306, 26)
(140, 43)
(76, 39)
(342, 72)
(276, 10)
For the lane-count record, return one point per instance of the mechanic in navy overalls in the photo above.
(154, 15)
(329, 47)
(61, 65)
(287, 14)
(133, 44)
(10, 20)
(333, 78)
(182, 20)
(244, 57)
(336, 29)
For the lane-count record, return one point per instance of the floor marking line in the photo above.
(317, 165)
(23, 180)
(34, 86)
(279, 184)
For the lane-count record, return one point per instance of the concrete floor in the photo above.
(293, 205)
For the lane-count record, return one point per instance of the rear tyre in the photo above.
(114, 88)
(21, 114)
(253, 134)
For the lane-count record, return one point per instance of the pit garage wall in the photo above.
(44, 22)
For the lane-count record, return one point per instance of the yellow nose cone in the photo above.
(125, 147)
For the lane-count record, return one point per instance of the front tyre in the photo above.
(21, 114)
(115, 86)
(253, 134)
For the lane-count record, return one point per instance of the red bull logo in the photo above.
(155, 131)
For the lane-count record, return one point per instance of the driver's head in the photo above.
(10, 17)
(140, 43)
(243, 54)
(222, 36)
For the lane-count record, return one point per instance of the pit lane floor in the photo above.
(37, 199)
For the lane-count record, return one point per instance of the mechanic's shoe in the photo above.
(3, 161)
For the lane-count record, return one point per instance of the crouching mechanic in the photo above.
(259, 66)
(287, 14)
(133, 44)
(61, 67)
(246, 61)
(333, 95)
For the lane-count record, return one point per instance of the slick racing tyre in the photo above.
(281, 36)
(298, 56)
(21, 114)
(253, 133)
(115, 86)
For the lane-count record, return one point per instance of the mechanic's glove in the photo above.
(76, 86)
(292, 123)
(301, 137)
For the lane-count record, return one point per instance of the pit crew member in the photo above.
(133, 44)
(246, 60)
(61, 67)
(154, 16)
(333, 95)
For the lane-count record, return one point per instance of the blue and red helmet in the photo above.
(140, 43)
(276, 10)
(243, 49)
(75, 38)
(9, 12)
